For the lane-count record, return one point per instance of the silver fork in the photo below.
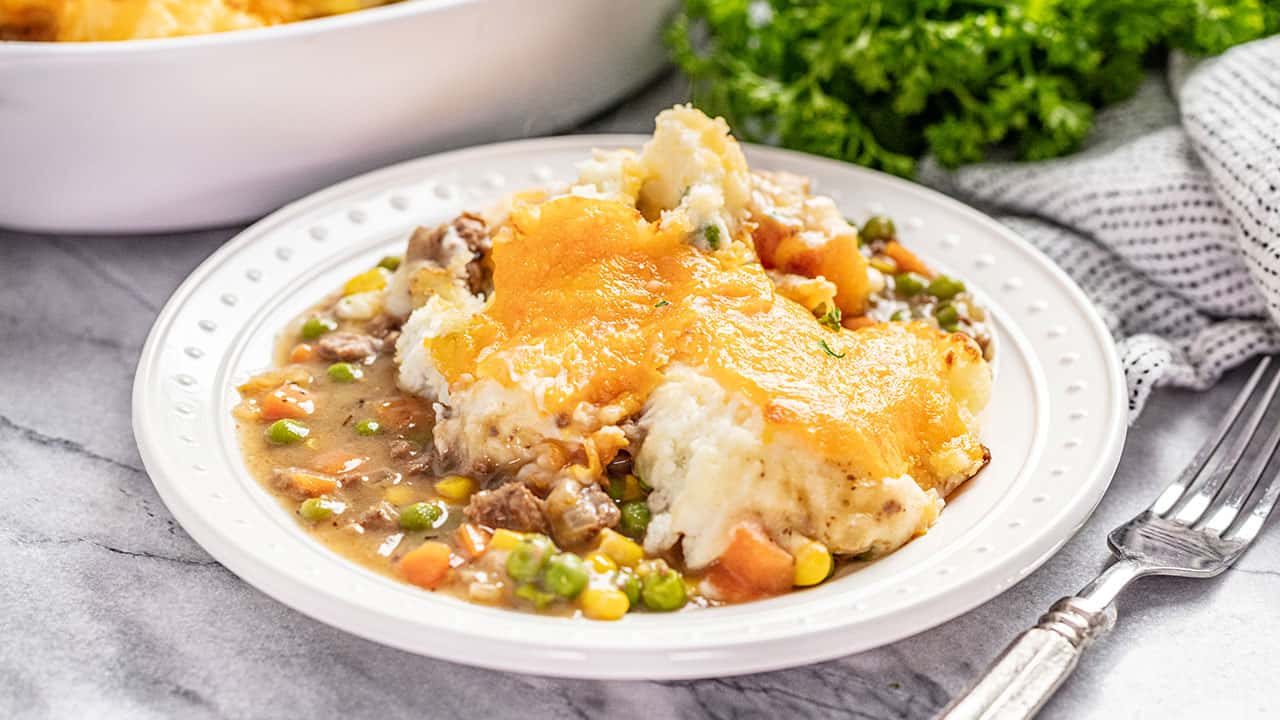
(1197, 528)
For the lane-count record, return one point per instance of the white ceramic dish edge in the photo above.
(199, 131)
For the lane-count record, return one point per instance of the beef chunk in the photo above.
(348, 346)
(302, 483)
(382, 516)
(432, 245)
(402, 449)
(383, 327)
(511, 506)
(577, 512)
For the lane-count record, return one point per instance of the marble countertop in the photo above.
(108, 609)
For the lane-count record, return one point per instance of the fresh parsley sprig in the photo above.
(830, 319)
(883, 82)
(827, 349)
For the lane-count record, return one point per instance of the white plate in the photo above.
(151, 135)
(1055, 427)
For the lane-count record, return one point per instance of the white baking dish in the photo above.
(205, 130)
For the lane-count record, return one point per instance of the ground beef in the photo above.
(382, 516)
(284, 478)
(511, 506)
(401, 449)
(429, 244)
(577, 512)
(424, 464)
(385, 328)
(348, 346)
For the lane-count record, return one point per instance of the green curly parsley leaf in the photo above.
(884, 82)
(831, 317)
(827, 349)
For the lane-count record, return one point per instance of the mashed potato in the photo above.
(634, 311)
(712, 465)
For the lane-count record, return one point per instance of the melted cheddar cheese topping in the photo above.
(592, 303)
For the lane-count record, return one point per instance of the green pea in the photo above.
(317, 326)
(344, 372)
(539, 598)
(390, 262)
(287, 432)
(617, 488)
(421, 516)
(899, 315)
(663, 591)
(368, 427)
(526, 560)
(317, 509)
(945, 287)
(947, 316)
(565, 575)
(629, 584)
(712, 234)
(879, 227)
(635, 519)
(909, 284)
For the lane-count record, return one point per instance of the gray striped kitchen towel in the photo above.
(1169, 217)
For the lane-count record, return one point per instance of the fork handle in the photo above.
(1026, 675)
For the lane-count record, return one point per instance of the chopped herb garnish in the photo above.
(831, 318)
(712, 234)
(661, 303)
(827, 349)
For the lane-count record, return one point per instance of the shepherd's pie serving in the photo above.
(675, 381)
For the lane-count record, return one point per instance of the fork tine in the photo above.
(1257, 517)
(1229, 507)
(1198, 501)
(1178, 488)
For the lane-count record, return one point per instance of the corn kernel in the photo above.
(455, 488)
(620, 548)
(601, 563)
(884, 265)
(399, 495)
(368, 281)
(813, 563)
(631, 491)
(600, 603)
(504, 539)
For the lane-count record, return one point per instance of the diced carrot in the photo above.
(301, 352)
(311, 484)
(337, 462)
(287, 401)
(907, 260)
(426, 565)
(756, 562)
(473, 540)
(271, 379)
(729, 587)
(857, 321)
